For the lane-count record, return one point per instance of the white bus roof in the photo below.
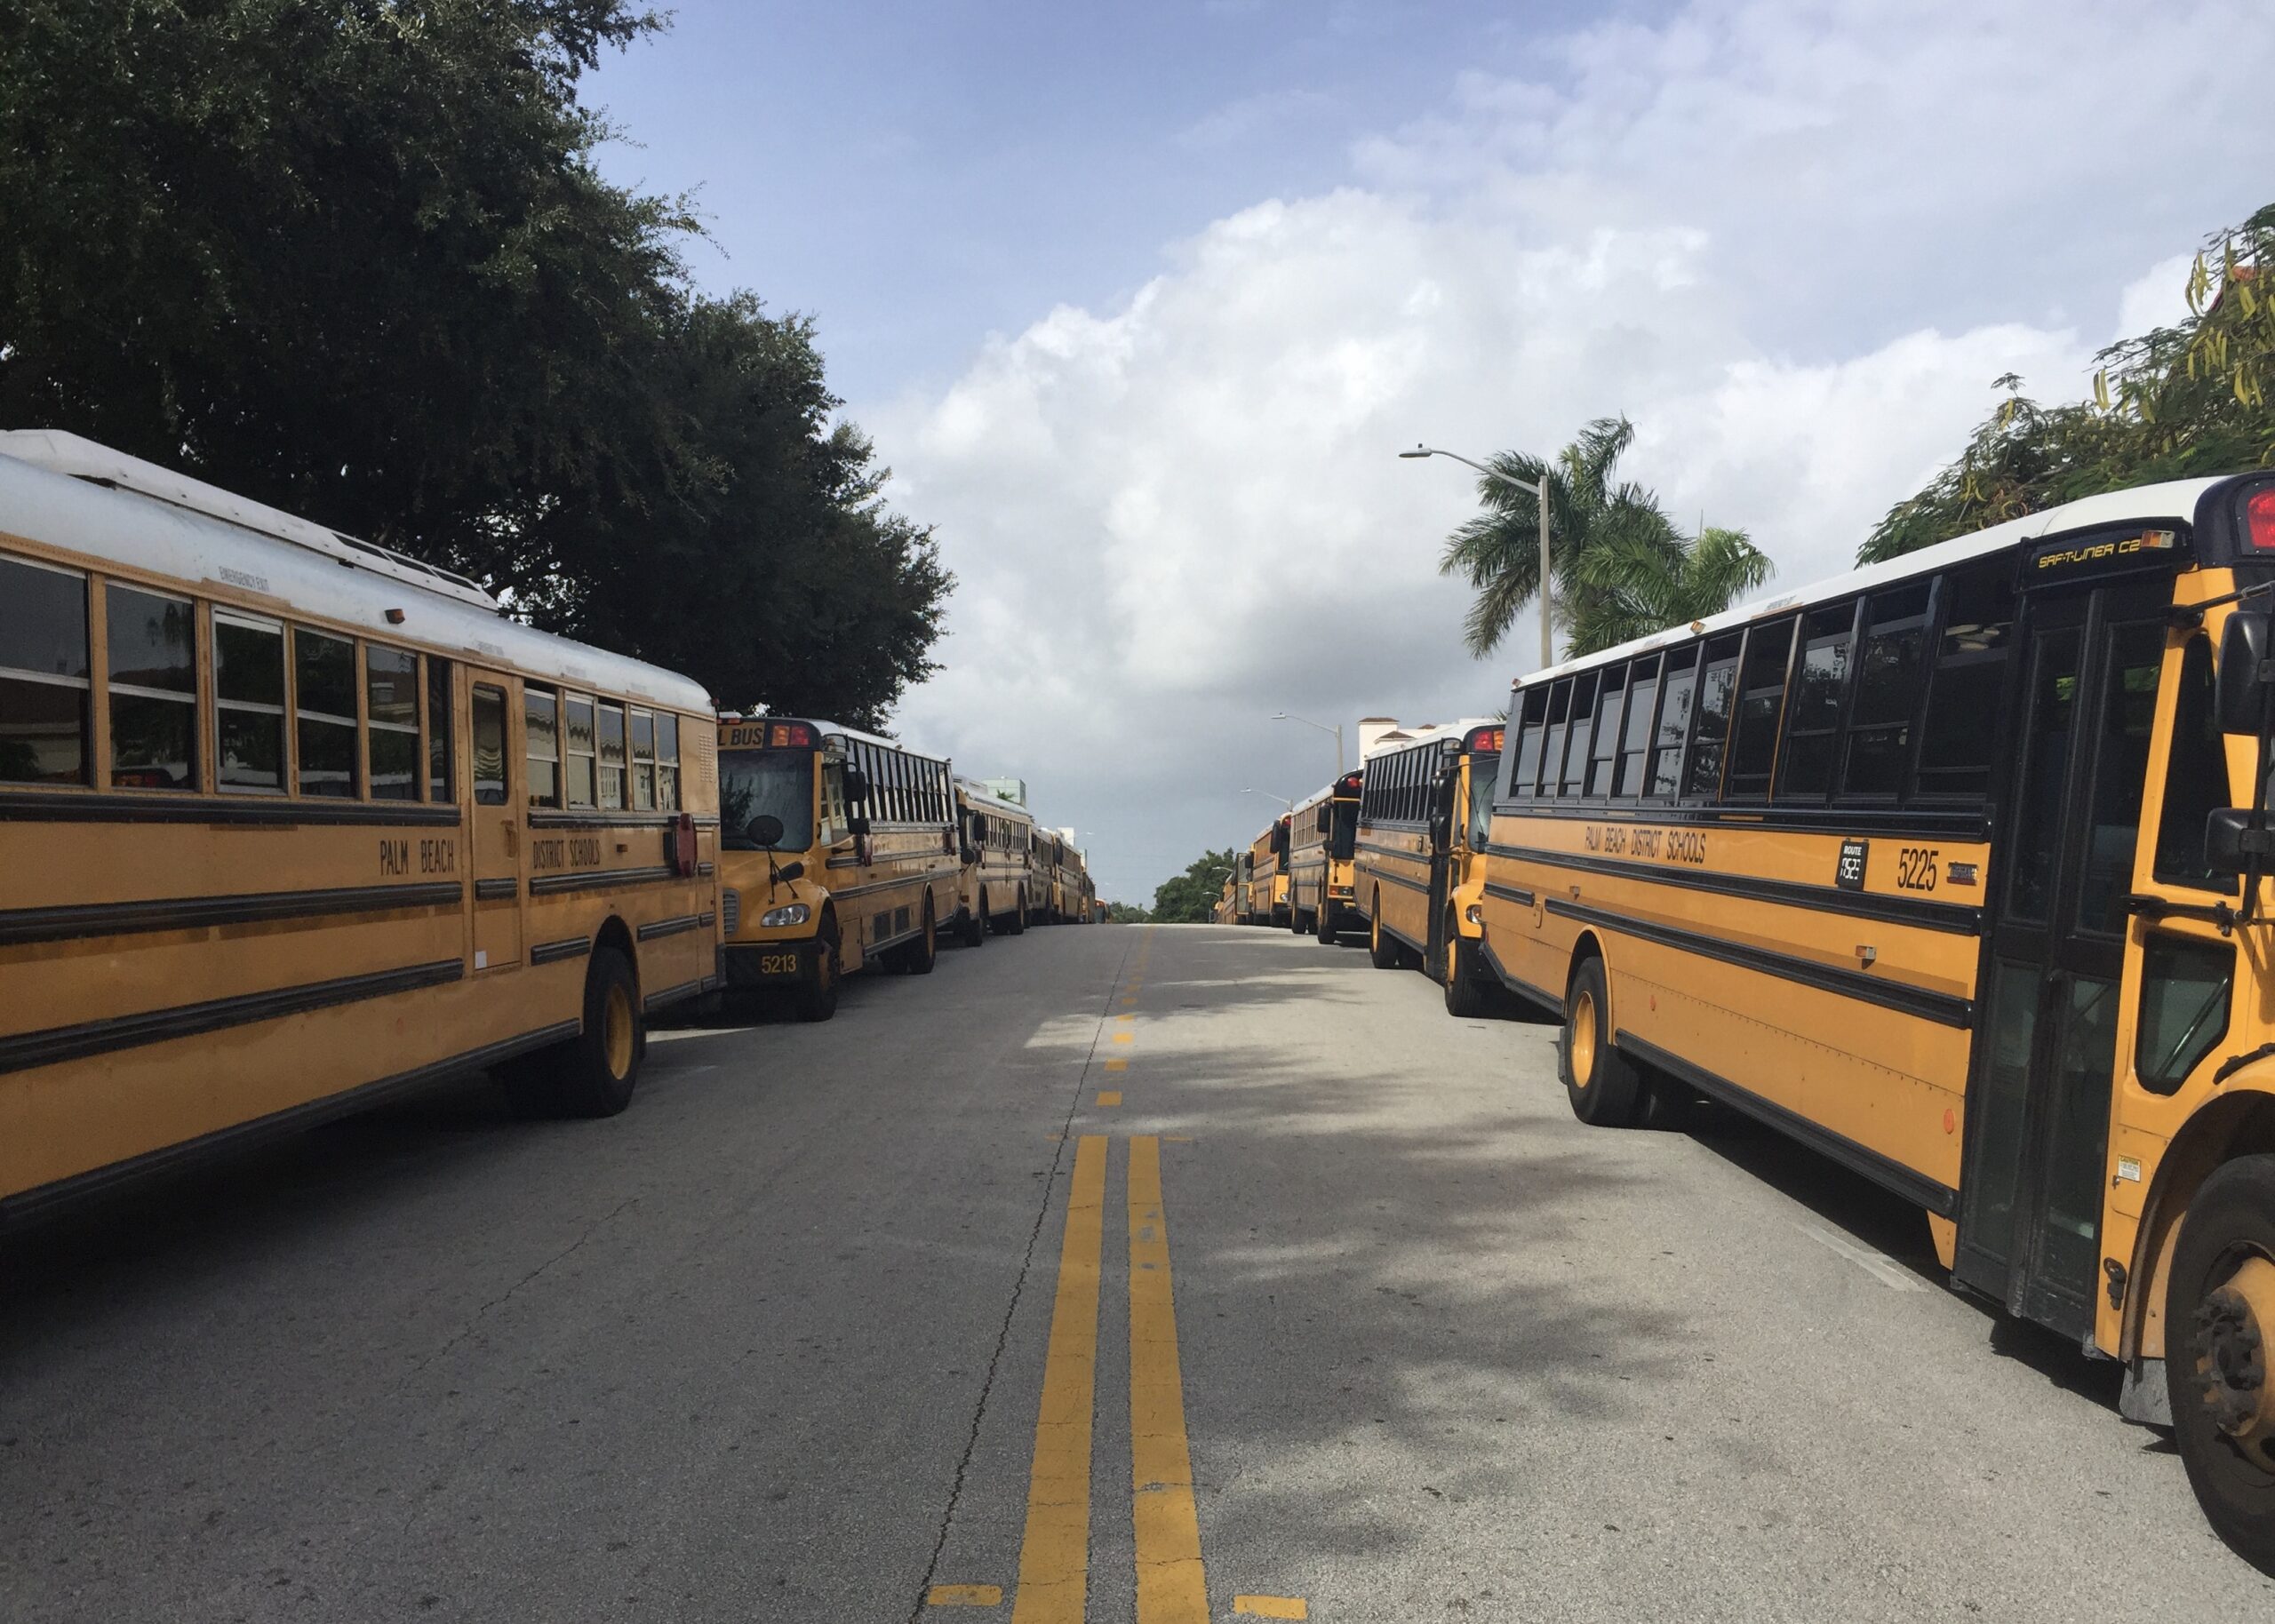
(71, 493)
(974, 790)
(2173, 500)
(1436, 733)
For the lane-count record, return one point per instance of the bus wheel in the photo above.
(1604, 1088)
(919, 956)
(817, 999)
(593, 1073)
(2219, 1319)
(1464, 997)
(1018, 925)
(1323, 923)
(975, 927)
(1381, 948)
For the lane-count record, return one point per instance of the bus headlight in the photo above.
(790, 913)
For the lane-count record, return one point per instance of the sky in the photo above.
(1139, 303)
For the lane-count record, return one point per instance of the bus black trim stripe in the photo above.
(1509, 894)
(1399, 879)
(1941, 1007)
(1518, 984)
(1959, 919)
(57, 806)
(553, 817)
(80, 921)
(495, 890)
(675, 995)
(1913, 1186)
(669, 927)
(548, 953)
(1884, 823)
(840, 893)
(599, 880)
(44, 1200)
(1391, 851)
(54, 1045)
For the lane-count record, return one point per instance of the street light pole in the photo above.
(1323, 727)
(1539, 491)
(1268, 795)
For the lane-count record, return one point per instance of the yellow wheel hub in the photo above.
(616, 1032)
(1583, 1039)
(2232, 1326)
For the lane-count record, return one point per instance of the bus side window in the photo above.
(1761, 690)
(1524, 771)
(580, 779)
(152, 662)
(1710, 740)
(46, 682)
(611, 743)
(1674, 724)
(438, 730)
(1813, 710)
(1956, 740)
(1576, 744)
(488, 745)
(666, 761)
(1551, 750)
(249, 700)
(1888, 690)
(541, 742)
(1642, 695)
(1603, 751)
(324, 713)
(391, 718)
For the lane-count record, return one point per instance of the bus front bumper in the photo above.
(771, 964)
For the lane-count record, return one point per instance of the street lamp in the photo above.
(1540, 494)
(1323, 727)
(1268, 795)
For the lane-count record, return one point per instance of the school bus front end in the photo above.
(772, 858)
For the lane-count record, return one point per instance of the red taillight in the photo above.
(785, 735)
(2259, 520)
(1486, 739)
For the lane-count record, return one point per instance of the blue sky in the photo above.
(1138, 302)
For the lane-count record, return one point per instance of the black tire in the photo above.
(1668, 1106)
(1603, 1085)
(2218, 1308)
(817, 999)
(1464, 993)
(1018, 925)
(917, 958)
(1323, 925)
(591, 1074)
(975, 924)
(1382, 947)
(1295, 918)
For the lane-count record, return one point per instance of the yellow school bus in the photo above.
(997, 863)
(1321, 832)
(290, 825)
(1955, 869)
(838, 853)
(1264, 876)
(1227, 908)
(1419, 863)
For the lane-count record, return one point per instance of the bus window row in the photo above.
(1398, 784)
(902, 788)
(99, 688)
(584, 752)
(1890, 698)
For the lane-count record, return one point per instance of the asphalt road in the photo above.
(802, 1336)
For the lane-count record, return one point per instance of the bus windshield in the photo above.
(754, 782)
(1483, 771)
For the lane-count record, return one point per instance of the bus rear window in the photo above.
(760, 783)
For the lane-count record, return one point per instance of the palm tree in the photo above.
(1499, 550)
(1630, 589)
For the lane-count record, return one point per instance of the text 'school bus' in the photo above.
(1419, 872)
(861, 871)
(1264, 876)
(1321, 834)
(284, 830)
(1938, 866)
(997, 870)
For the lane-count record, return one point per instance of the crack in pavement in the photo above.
(1018, 1287)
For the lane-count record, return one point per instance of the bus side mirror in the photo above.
(857, 787)
(2231, 842)
(765, 832)
(2244, 673)
(790, 871)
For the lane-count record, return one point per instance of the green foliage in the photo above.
(1188, 898)
(353, 258)
(2175, 402)
(1622, 569)
(1127, 913)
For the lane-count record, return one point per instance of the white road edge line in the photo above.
(1881, 1267)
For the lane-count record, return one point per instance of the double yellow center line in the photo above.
(1054, 1556)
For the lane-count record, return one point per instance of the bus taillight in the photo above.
(2259, 520)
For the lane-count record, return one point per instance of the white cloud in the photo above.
(1795, 243)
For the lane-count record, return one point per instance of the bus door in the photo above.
(2038, 1109)
(1444, 797)
(497, 830)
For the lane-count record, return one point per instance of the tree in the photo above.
(1498, 550)
(1189, 898)
(1127, 913)
(1630, 588)
(353, 258)
(2174, 402)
